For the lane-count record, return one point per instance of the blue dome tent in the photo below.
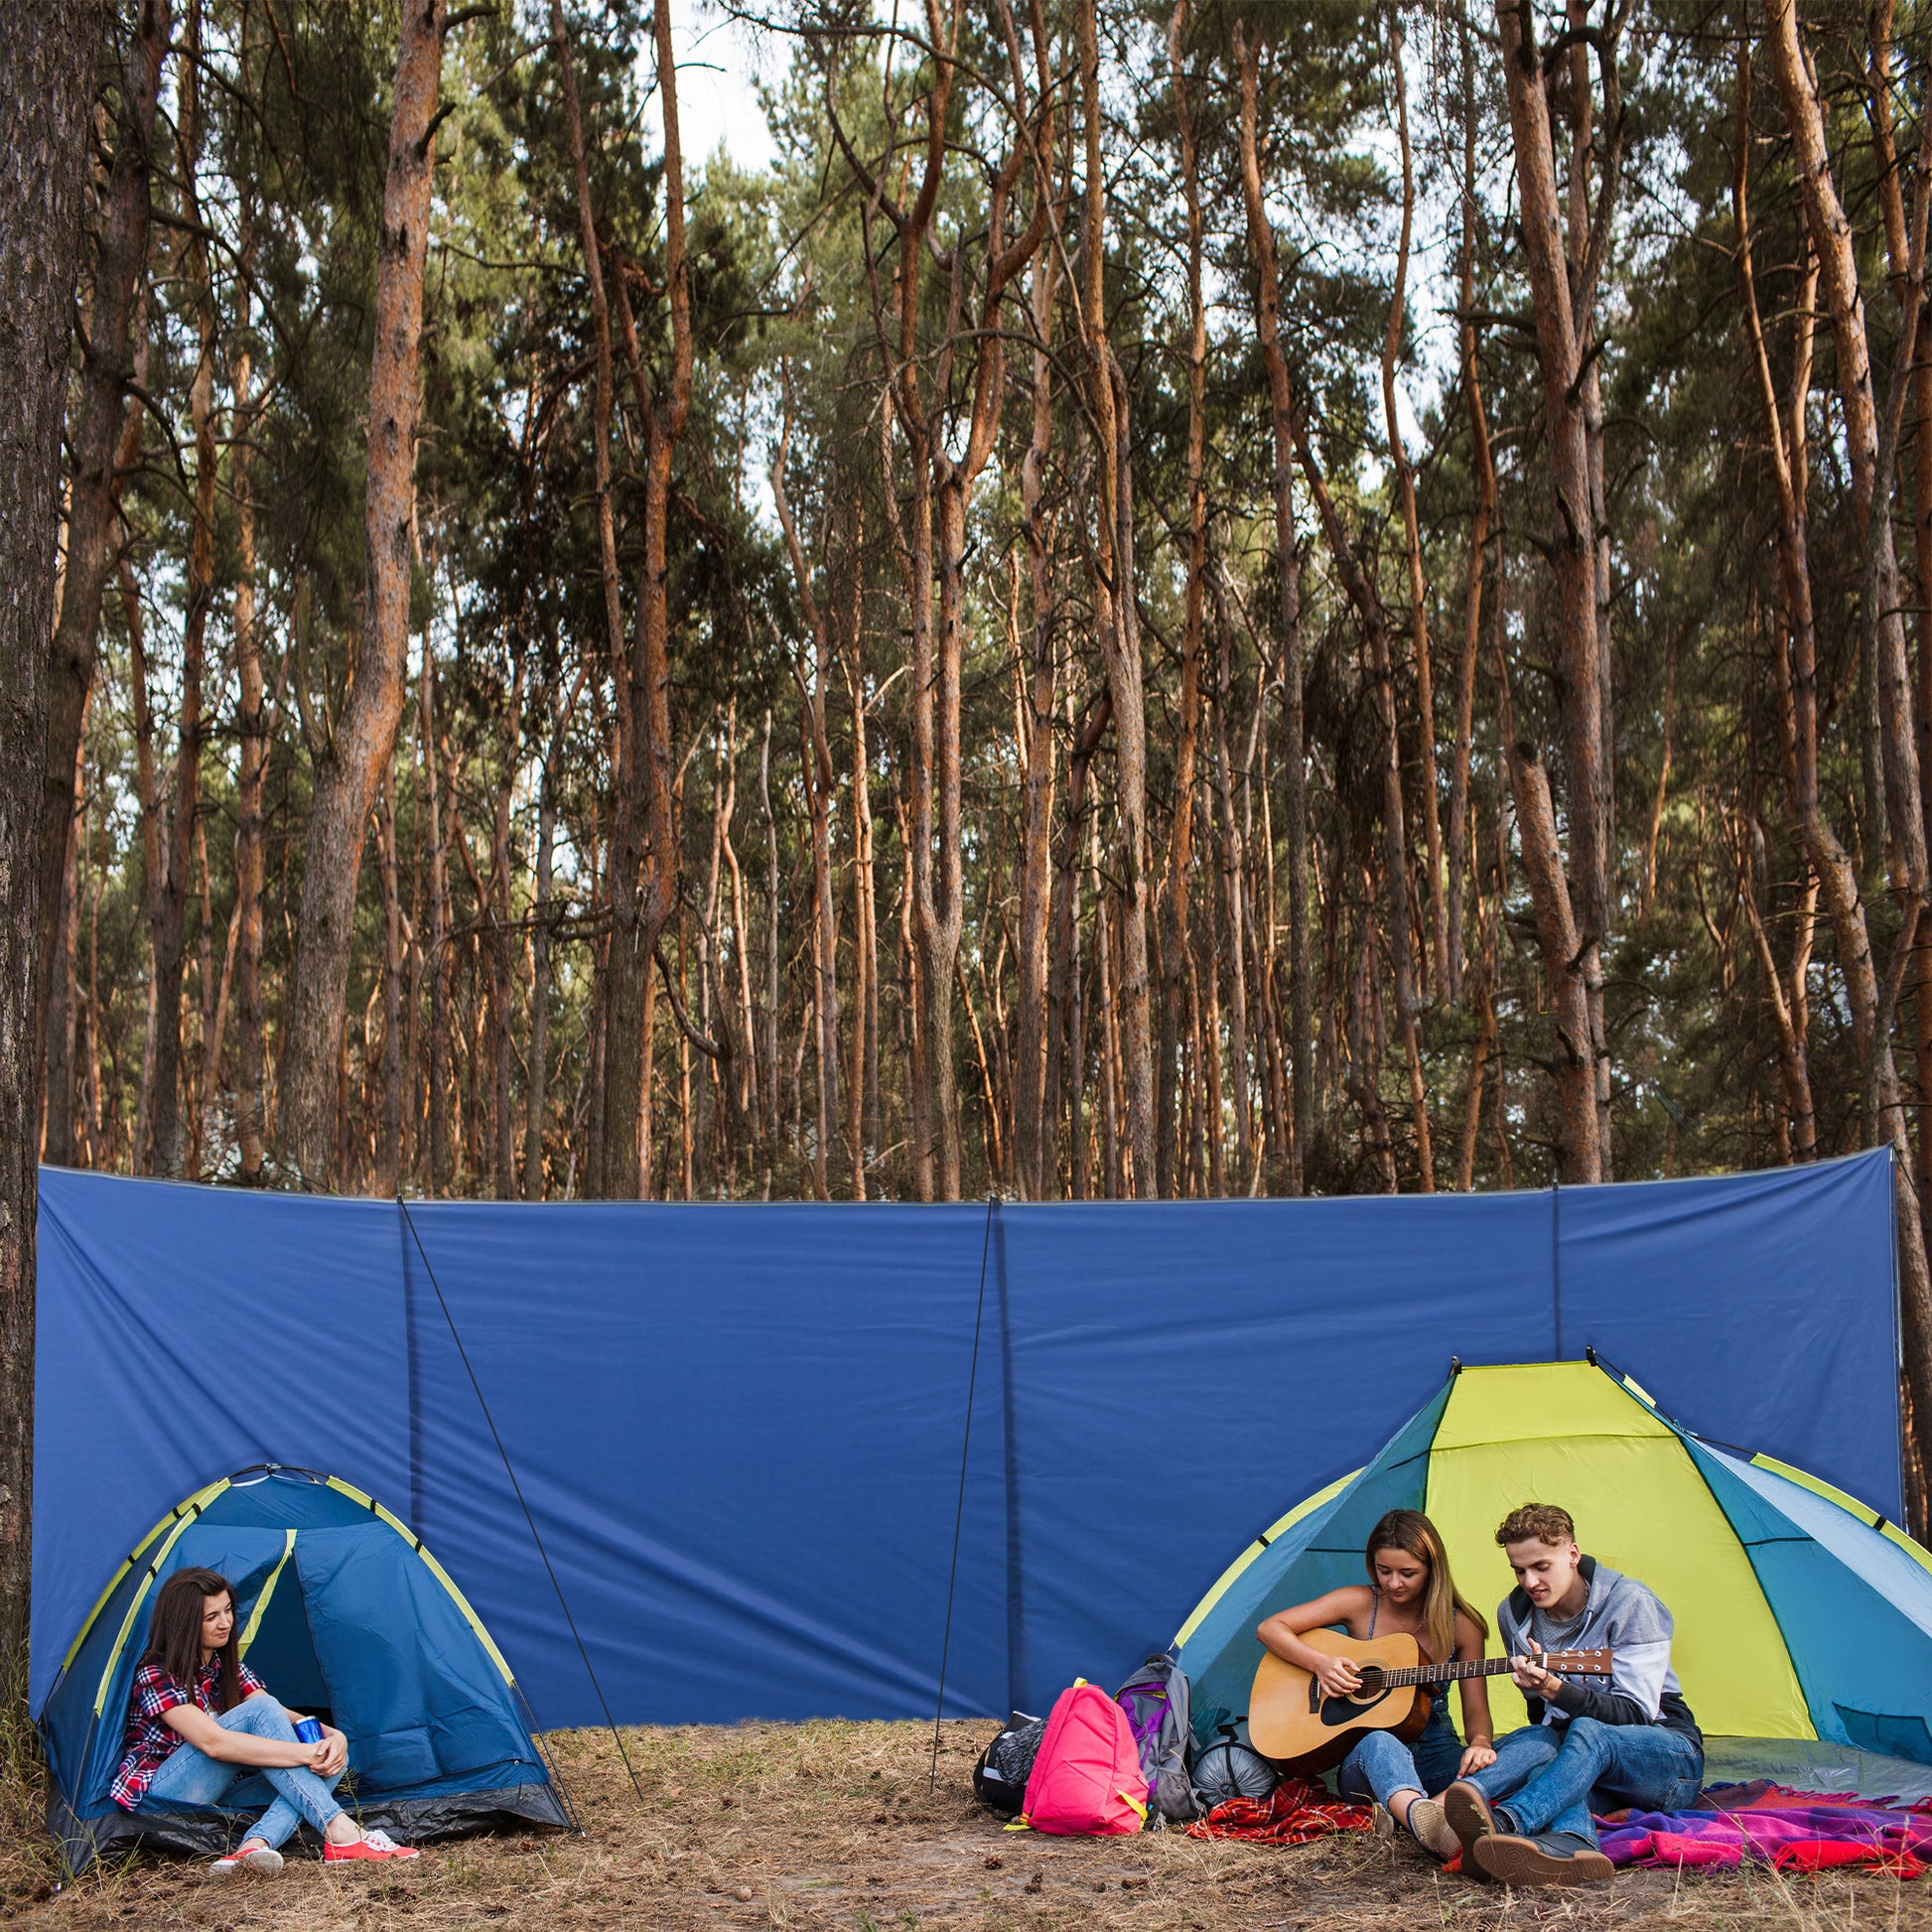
(1804, 1618)
(342, 1613)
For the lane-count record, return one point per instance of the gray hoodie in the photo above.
(1624, 1617)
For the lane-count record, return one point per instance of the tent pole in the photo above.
(959, 1511)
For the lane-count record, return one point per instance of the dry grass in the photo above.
(825, 1825)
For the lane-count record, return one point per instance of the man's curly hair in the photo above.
(1541, 1521)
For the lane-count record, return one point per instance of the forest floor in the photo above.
(825, 1825)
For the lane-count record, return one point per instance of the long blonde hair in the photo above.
(1411, 1532)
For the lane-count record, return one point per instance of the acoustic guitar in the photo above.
(1293, 1721)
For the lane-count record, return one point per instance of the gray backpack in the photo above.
(1155, 1701)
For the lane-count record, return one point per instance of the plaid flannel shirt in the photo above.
(151, 1741)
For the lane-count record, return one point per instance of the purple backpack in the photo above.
(1155, 1701)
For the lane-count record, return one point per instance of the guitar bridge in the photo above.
(1314, 1695)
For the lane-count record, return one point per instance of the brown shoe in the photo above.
(1555, 1858)
(1466, 1813)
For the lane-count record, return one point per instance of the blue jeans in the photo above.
(191, 1777)
(1382, 1764)
(1554, 1775)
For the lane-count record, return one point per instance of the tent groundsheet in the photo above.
(740, 1427)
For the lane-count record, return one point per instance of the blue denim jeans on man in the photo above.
(1550, 1777)
(190, 1778)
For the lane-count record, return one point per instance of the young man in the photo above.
(1525, 1819)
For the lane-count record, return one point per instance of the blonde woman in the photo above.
(1410, 1590)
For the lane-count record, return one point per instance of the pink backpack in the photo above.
(1088, 1779)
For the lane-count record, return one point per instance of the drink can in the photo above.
(309, 1729)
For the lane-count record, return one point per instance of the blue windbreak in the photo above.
(741, 1429)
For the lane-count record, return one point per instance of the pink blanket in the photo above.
(1795, 1831)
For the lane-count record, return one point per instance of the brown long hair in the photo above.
(175, 1632)
(1411, 1532)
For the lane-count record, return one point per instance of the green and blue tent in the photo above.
(1803, 1619)
(342, 1613)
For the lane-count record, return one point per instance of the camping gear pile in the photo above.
(1098, 1766)
(343, 1614)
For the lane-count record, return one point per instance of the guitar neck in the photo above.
(1456, 1669)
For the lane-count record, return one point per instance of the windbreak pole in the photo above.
(959, 1511)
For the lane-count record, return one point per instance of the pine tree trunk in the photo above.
(98, 430)
(1437, 951)
(436, 1099)
(348, 774)
(644, 839)
(62, 994)
(1563, 336)
(389, 1157)
(1457, 858)
(1035, 1125)
(252, 723)
(1175, 948)
(168, 895)
(1261, 245)
(46, 69)
(1837, 278)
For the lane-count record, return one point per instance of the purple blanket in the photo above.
(1798, 1831)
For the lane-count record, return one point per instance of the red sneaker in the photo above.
(371, 1845)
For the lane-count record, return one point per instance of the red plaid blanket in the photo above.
(1295, 1811)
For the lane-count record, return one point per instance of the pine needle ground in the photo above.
(823, 1826)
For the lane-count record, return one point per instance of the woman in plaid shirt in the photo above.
(203, 1730)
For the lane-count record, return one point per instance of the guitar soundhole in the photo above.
(1372, 1686)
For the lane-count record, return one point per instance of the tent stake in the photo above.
(959, 1512)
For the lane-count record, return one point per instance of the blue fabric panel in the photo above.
(1749, 1309)
(738, 1427)
(1854, 1609)
(1318, 1554)
(739, 1431)
(186, 1333)
(417, 1697)
(1186, 1372)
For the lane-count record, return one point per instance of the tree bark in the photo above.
(62, 996)
(1458, 862)
(1117, 622)
(1835, 272)
(1562, 296)
(862, 1078)
(251, 722)
(430, 816)
(1556, 928)
(47, 69)
(168, 895)
(1395, 843)
(96, 435)
(352, 766)
(1260, 246)
(644, 839)
(1036, 1130)
(821, 788)
(1405, 479)
(1175, 950)
(1864, 438)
